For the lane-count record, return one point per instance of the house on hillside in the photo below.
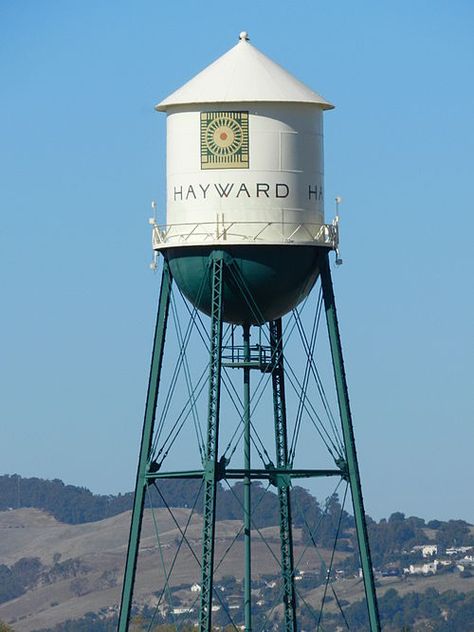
(430, 568)
(181, 610)
(466, 563)
(457, 550)
(427, 550)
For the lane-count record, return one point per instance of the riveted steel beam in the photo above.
(283, 482)
(211, 464)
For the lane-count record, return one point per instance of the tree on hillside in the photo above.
(306, 512)
(321, 525)
(389, 538)
(461, 617)
(454, 533)
(264, 504)
(10, 585)
(27, 570)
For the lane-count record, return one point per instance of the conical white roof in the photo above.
(243, 74)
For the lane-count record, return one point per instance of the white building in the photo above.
(182, 610)
(422, 569)
(427, 550)
(458, 549)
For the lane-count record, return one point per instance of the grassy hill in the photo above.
(57, 563)
(82, 565)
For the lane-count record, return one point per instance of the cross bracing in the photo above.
(285, 431)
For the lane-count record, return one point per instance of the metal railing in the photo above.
(244, 232)
(260, 357)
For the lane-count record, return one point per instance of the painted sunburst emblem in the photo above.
(224, 136)
(224, 140)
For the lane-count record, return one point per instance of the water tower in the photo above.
(244, 243)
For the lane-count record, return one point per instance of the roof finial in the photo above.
(244, 36)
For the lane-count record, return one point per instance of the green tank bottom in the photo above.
(261, 282)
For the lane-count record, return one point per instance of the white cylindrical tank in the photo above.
(244, 155)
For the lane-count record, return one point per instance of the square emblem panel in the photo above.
(224, 140)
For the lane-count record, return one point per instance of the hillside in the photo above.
(82, 564)
(55, 570)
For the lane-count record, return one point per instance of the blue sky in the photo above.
(82, 155)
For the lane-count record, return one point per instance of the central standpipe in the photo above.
(247, 483)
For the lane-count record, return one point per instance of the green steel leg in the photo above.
(247, 484)
(211, 463)
(145, 447)
(283, 481)
(349, 443)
